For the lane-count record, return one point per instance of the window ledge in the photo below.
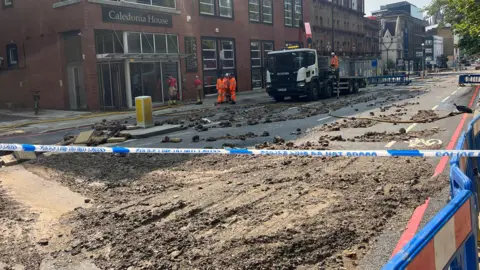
(65, 3)
(133, 5)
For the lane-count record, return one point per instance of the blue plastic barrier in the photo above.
(468, 79)
(397, 79)
(448, 241)
(463, 186)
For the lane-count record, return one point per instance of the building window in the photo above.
(7, 3)
(298, 13)
(108, 42)
(209, 7)
(159, 3)
(321, 21)
(227, 54)
(12, 55)
(226, 8)
(146, 43)
(293, 12)
(288, 12)
(209, 54)
(260, 10)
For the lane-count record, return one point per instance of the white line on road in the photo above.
(445, 99)
(411, 127)
(390, 144)
(324, 118)
(434, 107)
(453, 93)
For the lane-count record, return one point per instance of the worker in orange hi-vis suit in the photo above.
(226, 87)
(220, 89)
(232, 88)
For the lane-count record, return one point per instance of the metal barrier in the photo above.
(448, 241)
(398, 79)
(468, 79)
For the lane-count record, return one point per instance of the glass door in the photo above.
(258, 53)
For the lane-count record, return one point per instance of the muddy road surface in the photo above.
(220, 212)
(108, 211)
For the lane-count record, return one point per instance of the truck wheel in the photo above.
(279, 98)
(356, 87)
(328, 91)
(313, 92)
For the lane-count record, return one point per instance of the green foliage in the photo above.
(464, 17)
(470, 45)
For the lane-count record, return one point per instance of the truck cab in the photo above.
(296, 72)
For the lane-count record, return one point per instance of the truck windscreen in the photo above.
(285, 61)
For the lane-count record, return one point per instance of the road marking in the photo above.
(453, 93)
(445, 99)
(324, 118)
(422, 142)
(390, 144)
(434, 107)
(412, 226)
(411, 127)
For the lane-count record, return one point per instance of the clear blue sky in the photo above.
(371, 5)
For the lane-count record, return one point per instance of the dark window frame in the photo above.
(16, 61)
(261, 13)
(5, 5)
(219, 68)
(216, 11)
(292, 5)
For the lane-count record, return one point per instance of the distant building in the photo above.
(340, 26)
(403, 32)
(433, 51)
(446, 33)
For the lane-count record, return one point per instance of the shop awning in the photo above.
(140, 56)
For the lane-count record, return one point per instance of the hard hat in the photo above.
(333, 53)
(226, 74)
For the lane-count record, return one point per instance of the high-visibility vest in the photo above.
(334, 62)
(225, 83)
(220, 83)
(233, 84)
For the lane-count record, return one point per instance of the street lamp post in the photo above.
(423, 60)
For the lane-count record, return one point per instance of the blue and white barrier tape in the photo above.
(346, 153)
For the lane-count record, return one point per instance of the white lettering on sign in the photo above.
(422, 142)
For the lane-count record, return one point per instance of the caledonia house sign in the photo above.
(135, 16)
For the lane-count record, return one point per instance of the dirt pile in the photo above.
(348, 123)
(179, 212)
(423, 115)
(401, 135)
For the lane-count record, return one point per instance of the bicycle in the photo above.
(36, 101)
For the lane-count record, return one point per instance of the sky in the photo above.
(372, 5)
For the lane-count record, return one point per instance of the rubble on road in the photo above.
(292, 211)
(401, 135)
(423, 115)
(348, 123)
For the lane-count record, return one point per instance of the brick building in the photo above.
(340, 26)
(100, 54)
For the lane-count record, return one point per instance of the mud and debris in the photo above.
(423, 115)
(155, 211)
(183, 212)
(401, 135)
(348, 123)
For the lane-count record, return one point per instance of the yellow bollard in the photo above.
(143, 109)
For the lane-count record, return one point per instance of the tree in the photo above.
(464, 17)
